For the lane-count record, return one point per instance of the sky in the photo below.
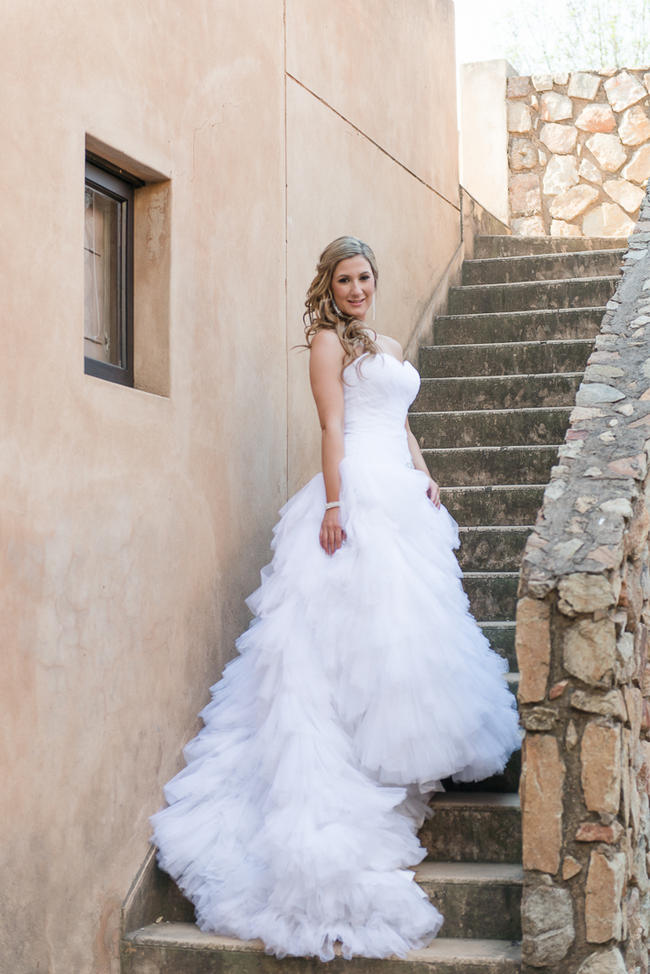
(478, 37)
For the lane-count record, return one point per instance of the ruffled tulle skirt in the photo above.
(361, 682)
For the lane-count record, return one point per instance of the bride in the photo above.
(360, 683)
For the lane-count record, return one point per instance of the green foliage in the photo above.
(549, 36)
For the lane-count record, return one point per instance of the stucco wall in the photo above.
(135, 523)
(484, 133)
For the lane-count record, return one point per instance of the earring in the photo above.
(336, 308)
(373, 305)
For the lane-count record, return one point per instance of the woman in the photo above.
(361, 682)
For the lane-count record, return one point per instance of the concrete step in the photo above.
(473, 827)
(498, 504)
(492, 549)
(526, 295)
(500, 633)
(177, 948)
(498, 391)
(490, 427)
(542, 267)
(481, 465)
(506, 246)
(492, 595)
(517, 326)
(477, 899)
(504, 358)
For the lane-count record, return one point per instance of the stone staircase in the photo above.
(497, 389)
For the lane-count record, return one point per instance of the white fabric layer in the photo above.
(361, 682)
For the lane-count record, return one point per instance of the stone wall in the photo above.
(578, 152)
(582, 623)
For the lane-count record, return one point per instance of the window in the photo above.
(108, 272)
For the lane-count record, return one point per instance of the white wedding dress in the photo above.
(361, 682)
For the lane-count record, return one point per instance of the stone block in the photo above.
(597, 832)
(608, 704)
(590, 172)
(638, 168)
(596, 118)
(570, 867)
(634, 126)
(573, 202)
(561, 79)
(590, 651)
(528, 226)
(559, 228)
(625, 193)
(607, 150)
(583, 85)
(607, 220)
(624, 90)
(533, 647)
(518, 87)
(584, 592)
(555, 107)
(559, 138)
(605, 883)
(625, 663)
(525, 195)
(542, 787)
(542, 82)
(603, 962)
(547, 925)
(519, 117)
(523, 155)
(561, 174)
(600, 773)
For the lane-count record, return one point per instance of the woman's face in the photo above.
(353, 286)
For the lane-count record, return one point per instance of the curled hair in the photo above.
(321, 311)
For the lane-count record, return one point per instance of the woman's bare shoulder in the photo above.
(325, 347)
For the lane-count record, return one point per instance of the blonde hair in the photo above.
(321, 311)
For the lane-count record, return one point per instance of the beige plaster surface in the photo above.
(349, 186)
(389, 69)
(484, 133)
(136, 521)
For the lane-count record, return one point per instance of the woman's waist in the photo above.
(386, 443)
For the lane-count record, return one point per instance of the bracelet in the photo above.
(328, 507)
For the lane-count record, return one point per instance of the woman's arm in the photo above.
(325, 360)
(433, 491)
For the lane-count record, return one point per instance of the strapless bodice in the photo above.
(378, 390)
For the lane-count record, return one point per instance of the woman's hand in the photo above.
(331, 535)
(433, 492)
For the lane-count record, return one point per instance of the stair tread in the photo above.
(188, 936)
(483, 873)
(499, 377)
(536, 284)
(520, 447)
(477, 799)
(566, 253)
(537, 342)
(508, 410)
(507, 528)
(600, 308)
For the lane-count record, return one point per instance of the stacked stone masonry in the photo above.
(578, 152)
(582, 632)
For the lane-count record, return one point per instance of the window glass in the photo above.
(104, 255)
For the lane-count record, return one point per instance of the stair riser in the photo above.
(497, 392)
(455, 430)
(141, 959)
(541, 268)
(516, 506)
(473, 834)
(492, 551)
(492, 597)
(478, 910)
(505, 783)
(522, 326)
(502, 359)
(502, 641)
(461, 468)
(523, 297)
(502, 246)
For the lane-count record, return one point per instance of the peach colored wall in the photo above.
(136, 523)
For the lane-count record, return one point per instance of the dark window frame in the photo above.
(120, 186)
